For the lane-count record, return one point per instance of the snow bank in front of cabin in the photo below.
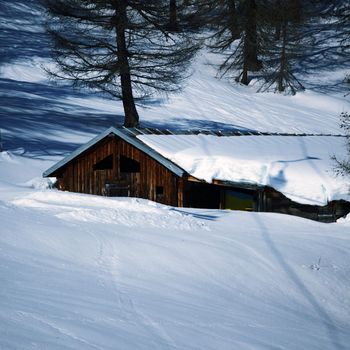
(133, 212)
(299, 167)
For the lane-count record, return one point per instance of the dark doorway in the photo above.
(202, 195)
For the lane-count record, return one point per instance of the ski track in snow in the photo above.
(61, 331)
(107, 260)
(108, 276)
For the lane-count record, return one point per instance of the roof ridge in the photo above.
(136, 131)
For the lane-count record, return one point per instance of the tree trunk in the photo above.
(277, 10)
(131, 115)
(251, 54)
(244, 76)
(295, 8)
(173, 25)
(245, 79)
(233, 20)
(283, 62)
(250, 59)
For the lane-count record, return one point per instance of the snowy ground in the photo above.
(86, 272)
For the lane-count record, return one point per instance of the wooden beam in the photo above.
(243, 185)
(193, 179)
(180, 192)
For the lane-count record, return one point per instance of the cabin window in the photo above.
(116, 190)
(104, 164)
(128, 165)
(202, 195)
(159, 190)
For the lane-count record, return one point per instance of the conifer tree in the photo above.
(288, 40)
(120, 47)
(235, 34)
(173, 25)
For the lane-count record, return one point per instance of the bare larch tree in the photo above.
(120, 47)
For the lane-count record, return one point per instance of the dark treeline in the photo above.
(131, 49)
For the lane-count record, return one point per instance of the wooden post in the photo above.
(180, 192)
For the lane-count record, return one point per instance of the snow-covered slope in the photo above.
(87, 272)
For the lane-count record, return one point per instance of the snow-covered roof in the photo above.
(300, 167)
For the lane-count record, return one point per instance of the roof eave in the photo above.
(238, 184)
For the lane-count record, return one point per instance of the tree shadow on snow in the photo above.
(279, 180)
(198, 215)
(193, 124)
(22, 33)
(326, 320)
(37, 117)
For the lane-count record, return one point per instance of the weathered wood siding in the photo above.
(79, 175)
(276, 202)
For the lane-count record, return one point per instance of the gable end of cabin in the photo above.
(114, 167)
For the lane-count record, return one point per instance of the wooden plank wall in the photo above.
(79, 176)
(278, 203)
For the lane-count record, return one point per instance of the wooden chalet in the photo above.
(117, 163)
